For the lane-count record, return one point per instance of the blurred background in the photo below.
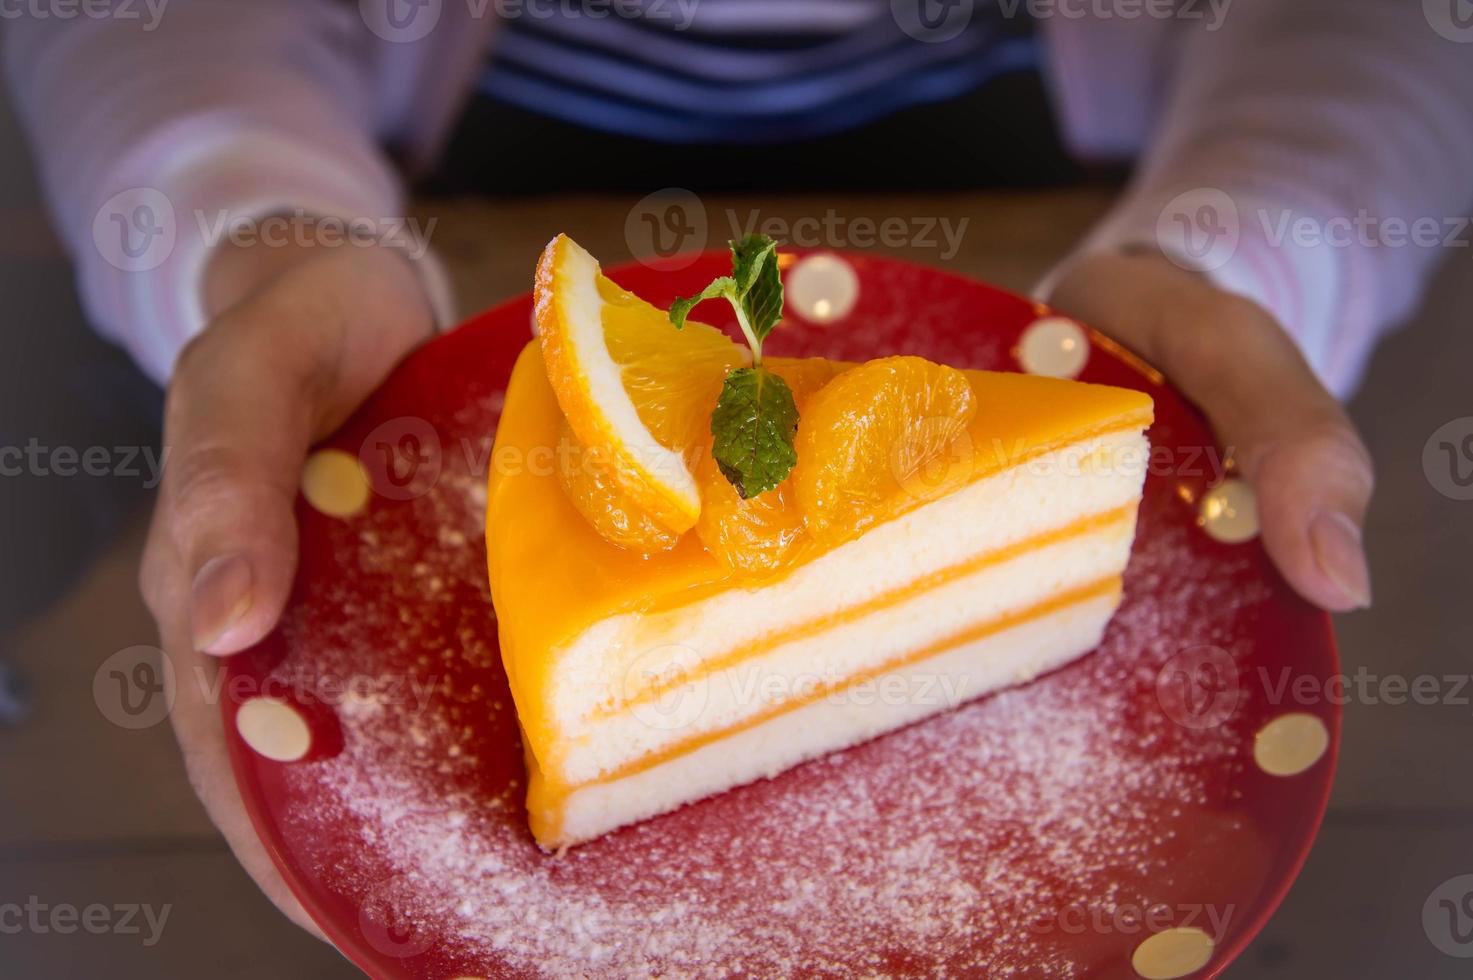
(91, 812)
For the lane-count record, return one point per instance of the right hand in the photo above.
(1293, 442)
(299, 337)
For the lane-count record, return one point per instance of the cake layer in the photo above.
(842, 718)
(705, 696)
(614, 661)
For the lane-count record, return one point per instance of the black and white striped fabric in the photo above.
(747, 71)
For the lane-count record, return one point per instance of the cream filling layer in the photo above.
(712, 702)
(906, 694)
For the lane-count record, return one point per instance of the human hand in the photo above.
(1292, 441)
(300, 338)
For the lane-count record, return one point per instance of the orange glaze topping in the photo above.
(553, 575)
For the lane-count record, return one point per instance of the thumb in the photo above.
(238, 425)
(248, 397)
(1310, 472)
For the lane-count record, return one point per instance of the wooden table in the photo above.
(91, 813)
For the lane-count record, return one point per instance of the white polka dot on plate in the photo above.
(1229, 512)
(334, 482)
(1055, 347)
(822, 288)
(274, 729)
(1290, 744)
(1173, 953)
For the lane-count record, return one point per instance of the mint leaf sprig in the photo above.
(754, 288)
(755, 420)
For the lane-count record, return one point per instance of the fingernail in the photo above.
(1339, 553)
(221, 596)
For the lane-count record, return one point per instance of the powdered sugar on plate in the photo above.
(971, 840)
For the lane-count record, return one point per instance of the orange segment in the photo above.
(758, 535)
(879, 440)
(588, 479)
(755, 535)
(805, 375)
(630, 385)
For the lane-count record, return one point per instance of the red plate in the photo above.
(1043, 832)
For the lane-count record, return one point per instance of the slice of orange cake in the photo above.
(708, 567)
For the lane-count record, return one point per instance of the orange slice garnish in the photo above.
(634, 390)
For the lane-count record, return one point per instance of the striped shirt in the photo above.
(748, 71)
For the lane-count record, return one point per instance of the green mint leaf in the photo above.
(747, 258)
(754, 425)
(755, 418)
(759, 283)
(680, 309)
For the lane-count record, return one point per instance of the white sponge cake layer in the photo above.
(843, 719)
(601, 667)
(870, 642)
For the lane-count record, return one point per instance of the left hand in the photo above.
(298, 340)
(1291, 439)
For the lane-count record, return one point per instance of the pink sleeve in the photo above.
(1312, 155)
(153, 133)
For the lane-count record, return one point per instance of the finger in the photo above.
(247, 399)
(1293, 442)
